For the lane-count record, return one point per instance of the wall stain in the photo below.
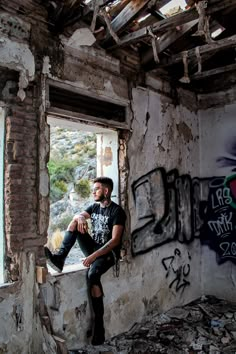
(81, 310)
(161, 148)
(184, 130)
(107, 156)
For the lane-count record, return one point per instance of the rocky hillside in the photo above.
(72, 167)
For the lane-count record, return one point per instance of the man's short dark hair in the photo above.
(105, 181)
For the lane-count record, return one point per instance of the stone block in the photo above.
(41, 274)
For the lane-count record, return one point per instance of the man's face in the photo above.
(99, 192)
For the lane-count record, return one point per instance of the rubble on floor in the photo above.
(207, 325)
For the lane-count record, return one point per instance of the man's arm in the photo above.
(117, 232)
(79, 222)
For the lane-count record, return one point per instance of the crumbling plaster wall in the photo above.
(164, 139)
(218, 134)
(17, 311)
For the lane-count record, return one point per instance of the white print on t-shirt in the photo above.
(100, 229)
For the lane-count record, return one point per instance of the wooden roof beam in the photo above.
(168, 39)
(121, 21)
(222, 44)
(212, 72)
(173, 22)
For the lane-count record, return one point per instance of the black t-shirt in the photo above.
(103, 220)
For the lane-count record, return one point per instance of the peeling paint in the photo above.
(17, 56)
(14, 27)
(46, 66)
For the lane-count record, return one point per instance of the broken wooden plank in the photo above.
(212, 72)
(222, 44)
(114, 10)
(122, 20)
(168, 39)
(173, 22)
(109, 27)
(160, 26)
(128, 14)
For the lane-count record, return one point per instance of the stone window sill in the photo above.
(70, 268)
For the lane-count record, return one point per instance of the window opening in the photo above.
(78, 153)
(2, 240)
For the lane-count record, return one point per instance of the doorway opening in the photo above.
(78, 153)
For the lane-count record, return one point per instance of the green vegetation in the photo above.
(61, 173)
(82, 187)
(62, 170)
(61, 185)
(68, 151)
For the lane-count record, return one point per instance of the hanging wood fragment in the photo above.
(207, 30)
(185, 79)
(109, 27)
(201, 9)
(199, 59)
(95, 14)
(154, 41)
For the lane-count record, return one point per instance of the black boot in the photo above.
(99, 331)
(57, 260)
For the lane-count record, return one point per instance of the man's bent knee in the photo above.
(96, 291)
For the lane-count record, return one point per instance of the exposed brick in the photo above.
(33, 242)
(29, 102)
(30, 131)
(23, 235)
(21, 215)
(21, 113)
(19, 229)
(15, 228)
(15, 246)
(15, 189)
(24, 217)
(33, 249)
(13, 136)
(26, 197)
(16, 181)
(30, 124)
(15, 121)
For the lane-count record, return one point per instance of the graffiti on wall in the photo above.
(220, 220)
(177, 270)
(172, 207)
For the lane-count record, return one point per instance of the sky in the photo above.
(172, 4)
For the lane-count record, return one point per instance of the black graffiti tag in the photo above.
(176, 270)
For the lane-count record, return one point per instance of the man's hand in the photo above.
(89, 260)
(82, 225)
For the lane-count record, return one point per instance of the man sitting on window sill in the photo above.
(101, 248)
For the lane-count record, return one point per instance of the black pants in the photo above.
(88, 246)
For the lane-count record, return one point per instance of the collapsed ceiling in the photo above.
(192, 44)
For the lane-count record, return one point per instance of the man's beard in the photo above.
(102, 198)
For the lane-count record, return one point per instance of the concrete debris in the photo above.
(206, 325)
